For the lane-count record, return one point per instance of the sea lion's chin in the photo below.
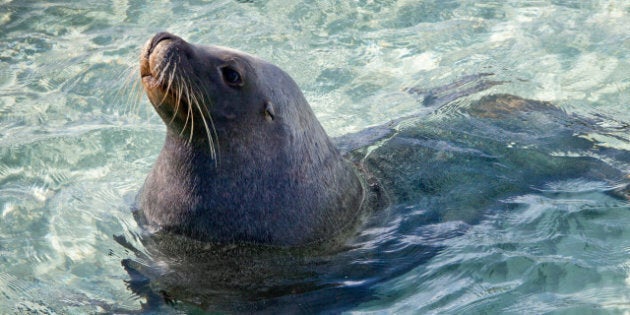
(166, 105)
(157, 96)
(153, 88)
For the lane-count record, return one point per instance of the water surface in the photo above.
(77, 138)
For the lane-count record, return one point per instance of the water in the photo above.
(77, 138)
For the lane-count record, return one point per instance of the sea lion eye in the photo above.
(231, 76)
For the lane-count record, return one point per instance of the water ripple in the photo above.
(77, 138)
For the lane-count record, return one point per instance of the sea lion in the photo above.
(244, 159)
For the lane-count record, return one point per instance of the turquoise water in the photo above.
(77, 138)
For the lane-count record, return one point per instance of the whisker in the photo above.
(190, 109)
(180, 95)
(199, 106)
(214, 145)
(124, 93)
(134, 97)
(168, 91)
(163, 71)
(205, 124)
(132, 102)
(161, 78)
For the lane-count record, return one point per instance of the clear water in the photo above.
(77, 138)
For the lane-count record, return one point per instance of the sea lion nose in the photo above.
(160, 37)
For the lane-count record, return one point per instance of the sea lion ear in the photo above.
(269, 113)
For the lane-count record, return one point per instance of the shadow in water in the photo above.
(186, 275)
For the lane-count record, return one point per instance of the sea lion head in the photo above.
(222, 93)
(245, 159)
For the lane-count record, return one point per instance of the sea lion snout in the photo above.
(156, 53)
(163, 59)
